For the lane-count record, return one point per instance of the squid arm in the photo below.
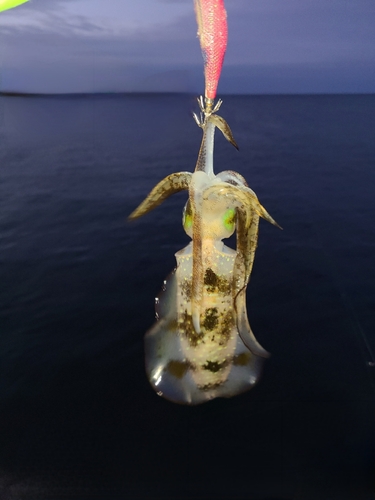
(245, 201)
(248, 211)
(223, 126)
(241, 196)
(247, 241)
(203, 178)
(169, 185)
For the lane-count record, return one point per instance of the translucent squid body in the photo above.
(201, 346)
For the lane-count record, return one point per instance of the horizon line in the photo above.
(78, 94)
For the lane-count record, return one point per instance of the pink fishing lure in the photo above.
(213, 36)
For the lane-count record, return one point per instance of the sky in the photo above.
(274, 46)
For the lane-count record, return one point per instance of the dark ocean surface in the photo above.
(78, 418)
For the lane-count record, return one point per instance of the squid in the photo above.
(201, 345)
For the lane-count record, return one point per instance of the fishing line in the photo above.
(359, 331)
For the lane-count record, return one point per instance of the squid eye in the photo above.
(188, 221)
(187, 218)
(229, 219)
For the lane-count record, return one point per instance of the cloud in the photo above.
(46, 17)
(271, 32)
(91, 49)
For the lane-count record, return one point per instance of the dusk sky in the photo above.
(274, 46)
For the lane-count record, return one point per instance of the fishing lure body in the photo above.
(201, 345)
(213, 35)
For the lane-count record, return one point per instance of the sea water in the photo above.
(78, 281)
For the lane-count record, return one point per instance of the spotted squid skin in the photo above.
(202, 346)
(166, 187)
(190, 368)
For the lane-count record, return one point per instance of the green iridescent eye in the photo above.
(188, 221)
(229, 218)
(188, 217)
